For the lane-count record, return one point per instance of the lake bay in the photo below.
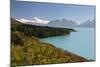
(81, 42)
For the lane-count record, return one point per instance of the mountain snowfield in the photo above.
(57, 22)
(34, 20)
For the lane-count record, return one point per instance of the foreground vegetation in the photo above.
(26, 49)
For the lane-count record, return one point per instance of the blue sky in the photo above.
(51, 11)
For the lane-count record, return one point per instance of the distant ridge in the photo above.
(63, 23)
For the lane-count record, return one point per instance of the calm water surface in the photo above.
(81, 42)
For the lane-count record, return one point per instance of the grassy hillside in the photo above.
(26, 49)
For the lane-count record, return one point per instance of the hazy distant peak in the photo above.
(88, 23)
(62, 23)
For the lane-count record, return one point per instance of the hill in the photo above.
(39, 31)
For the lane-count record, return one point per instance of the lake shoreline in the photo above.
(68, 53)
(74, 57)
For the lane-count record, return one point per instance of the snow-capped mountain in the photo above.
(69, 23)
(62, 23)
(35, 20)
(23, 20)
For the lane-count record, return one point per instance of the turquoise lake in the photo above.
(81, 42)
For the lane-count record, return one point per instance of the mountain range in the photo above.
(58, 22)
(88, 23)
(62, 23)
